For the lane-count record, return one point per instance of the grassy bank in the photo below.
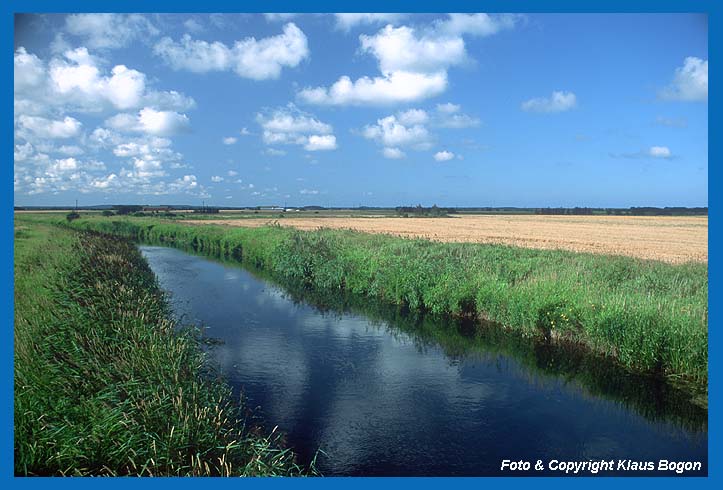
(103, 383)
(650, 316)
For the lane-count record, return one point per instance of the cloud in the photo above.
(109, 31)
(150, 121)
(147, 154)
(229, 140)
(321, 143)
(401, 49)
(76, 82)
(413, 65)
(413, 116)
(244, 132)
(232, 173)
(408, 129)
(443, 156)
(558, 102)
(348, 21)
(216, 179)
(448, 108)
(690, 82)
(662, 152)
(393, 88)
(79, 75)
(309, 192)
(72, 174)
(71, 150)
(390, 132)
(449, 116)
(288, 125)
(458, 121)
(280, 17)
(478, 24)
(290, 121)
(659, 152)
(193, 25)
(248, 58)
(29, 70)
(41, 127)
(393, 153)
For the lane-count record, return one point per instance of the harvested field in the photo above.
(668, 239)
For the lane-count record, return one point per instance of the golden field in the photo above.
(668, 239)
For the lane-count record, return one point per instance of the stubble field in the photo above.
(668, 239)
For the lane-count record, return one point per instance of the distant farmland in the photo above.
(668, 239)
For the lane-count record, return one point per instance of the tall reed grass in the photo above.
(650, 316)
(104, 384)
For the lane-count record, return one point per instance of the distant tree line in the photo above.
(632, 211)
(421, 211)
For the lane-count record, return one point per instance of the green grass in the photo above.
(650, 316)
(104, 384)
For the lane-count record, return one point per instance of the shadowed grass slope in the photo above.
(103, 383)
(650, 316)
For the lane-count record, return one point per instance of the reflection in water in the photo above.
(384, 392)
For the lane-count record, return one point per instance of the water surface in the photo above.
(382, 393)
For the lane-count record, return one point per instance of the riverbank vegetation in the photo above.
(650, 316)
(104, 383)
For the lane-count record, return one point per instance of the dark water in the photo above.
(383, 393)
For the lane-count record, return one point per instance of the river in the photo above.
(383, 393)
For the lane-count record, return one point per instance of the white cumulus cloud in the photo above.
(393, 153)
(249, 58)
(291, 126)
(690, 82)
(413, 61)
(478, 24)
(347, 21)
(402, 49)
(392, 88)
(449, 116)
(391, 133)
(443, 156)
(104, 30)
(68, 127)
(659, 152)
(29, 70)
(76, 81)
(321, 142)
(413, 116)
(559, 101)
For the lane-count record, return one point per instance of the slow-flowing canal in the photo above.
(384, 394)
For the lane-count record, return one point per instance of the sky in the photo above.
(529, 110)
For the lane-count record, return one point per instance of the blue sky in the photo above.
(362, 109)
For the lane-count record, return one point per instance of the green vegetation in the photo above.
(421, 212)
(650, 316)
(104, 385)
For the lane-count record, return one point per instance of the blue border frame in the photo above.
(9, 7)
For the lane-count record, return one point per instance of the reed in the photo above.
(650, 316)
(104, 382)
